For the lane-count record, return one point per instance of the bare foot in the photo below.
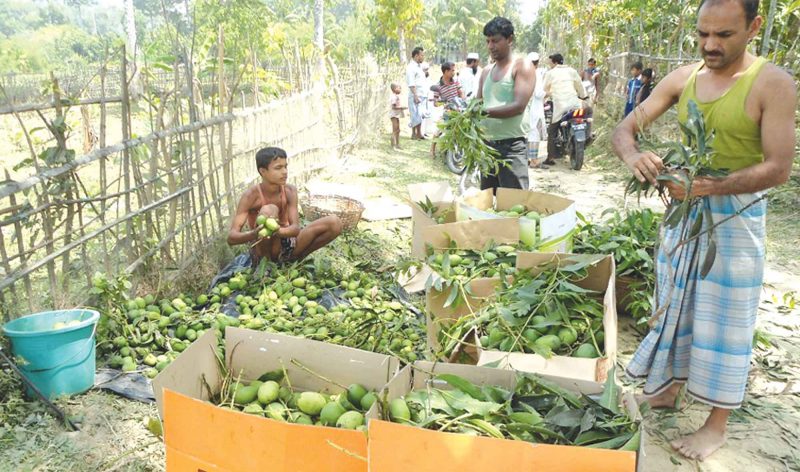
(665, 399)
(701, 444)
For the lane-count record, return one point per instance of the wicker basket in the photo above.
(347, 209)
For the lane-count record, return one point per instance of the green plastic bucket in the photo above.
(58, 361)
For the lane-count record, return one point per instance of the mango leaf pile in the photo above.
(544, 313)
(631, 238)
(537, 411)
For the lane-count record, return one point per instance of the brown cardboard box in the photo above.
(395, 447)
(202, 436)
(601, 279)
(553, 232)
(471, 235)
(440, 194)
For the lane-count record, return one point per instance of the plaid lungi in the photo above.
(705, 336)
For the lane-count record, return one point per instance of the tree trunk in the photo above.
(401, 40)
(319, 36)
(131, 46)
(765, 40)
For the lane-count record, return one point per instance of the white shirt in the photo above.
(537, 99)
(470, 81)
(564, 86)
(415, 77)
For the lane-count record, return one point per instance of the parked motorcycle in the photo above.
(574, 134)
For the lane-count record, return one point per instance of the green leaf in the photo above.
(697, 226)
(592, 436)
(675, 215)
(566, 419)
(518, 428)
(588, 419)
(611, 391)
(568, 396)
(486, 427)
(451, 298)
(462, 384)
(613, 443)
(462, 401)
(528, 417)
(633, 442)
(711, 256)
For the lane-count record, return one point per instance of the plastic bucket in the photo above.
(57, 361)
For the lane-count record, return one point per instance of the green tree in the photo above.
(399, 18)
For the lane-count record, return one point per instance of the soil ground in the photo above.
(763, 434)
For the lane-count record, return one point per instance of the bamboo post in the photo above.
(126, 154)
(20, 247)
(226, 169)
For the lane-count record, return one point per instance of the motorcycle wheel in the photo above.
(455, 161)
(576, 154)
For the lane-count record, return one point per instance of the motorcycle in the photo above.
(574, 134)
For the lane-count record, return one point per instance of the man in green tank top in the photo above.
(702, 340)
(506, 88)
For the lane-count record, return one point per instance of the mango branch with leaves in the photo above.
(684, 162)
(463, 132)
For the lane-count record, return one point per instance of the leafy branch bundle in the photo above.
(545, 313)
(631, 238)
(463, 132)
(432, 211)
(537, 411)
(683, 163)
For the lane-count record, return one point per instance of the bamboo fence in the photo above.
(163, 195)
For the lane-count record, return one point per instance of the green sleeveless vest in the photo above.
(737, 140)
(502, 93)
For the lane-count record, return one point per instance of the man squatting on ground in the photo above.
(274, 198)
(703, 340)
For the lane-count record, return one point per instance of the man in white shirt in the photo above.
(538, 130)
(426, 105)
(470, 76)
(415, 79)
(563, 85)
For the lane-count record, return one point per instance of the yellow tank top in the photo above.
(737, 138)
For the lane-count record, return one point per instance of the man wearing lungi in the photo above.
(703, 340)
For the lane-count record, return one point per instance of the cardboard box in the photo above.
(600, 279)
(395, 447)
(441, 196)
(472, 235)
(202, 436)
(555, 228)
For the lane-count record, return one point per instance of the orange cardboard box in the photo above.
(202, 436)
(395, 447)
(600, 279)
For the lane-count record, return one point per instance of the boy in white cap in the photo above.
(470, 76)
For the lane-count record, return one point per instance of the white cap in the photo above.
(534, 56)
(425, 65)
(473, 55)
